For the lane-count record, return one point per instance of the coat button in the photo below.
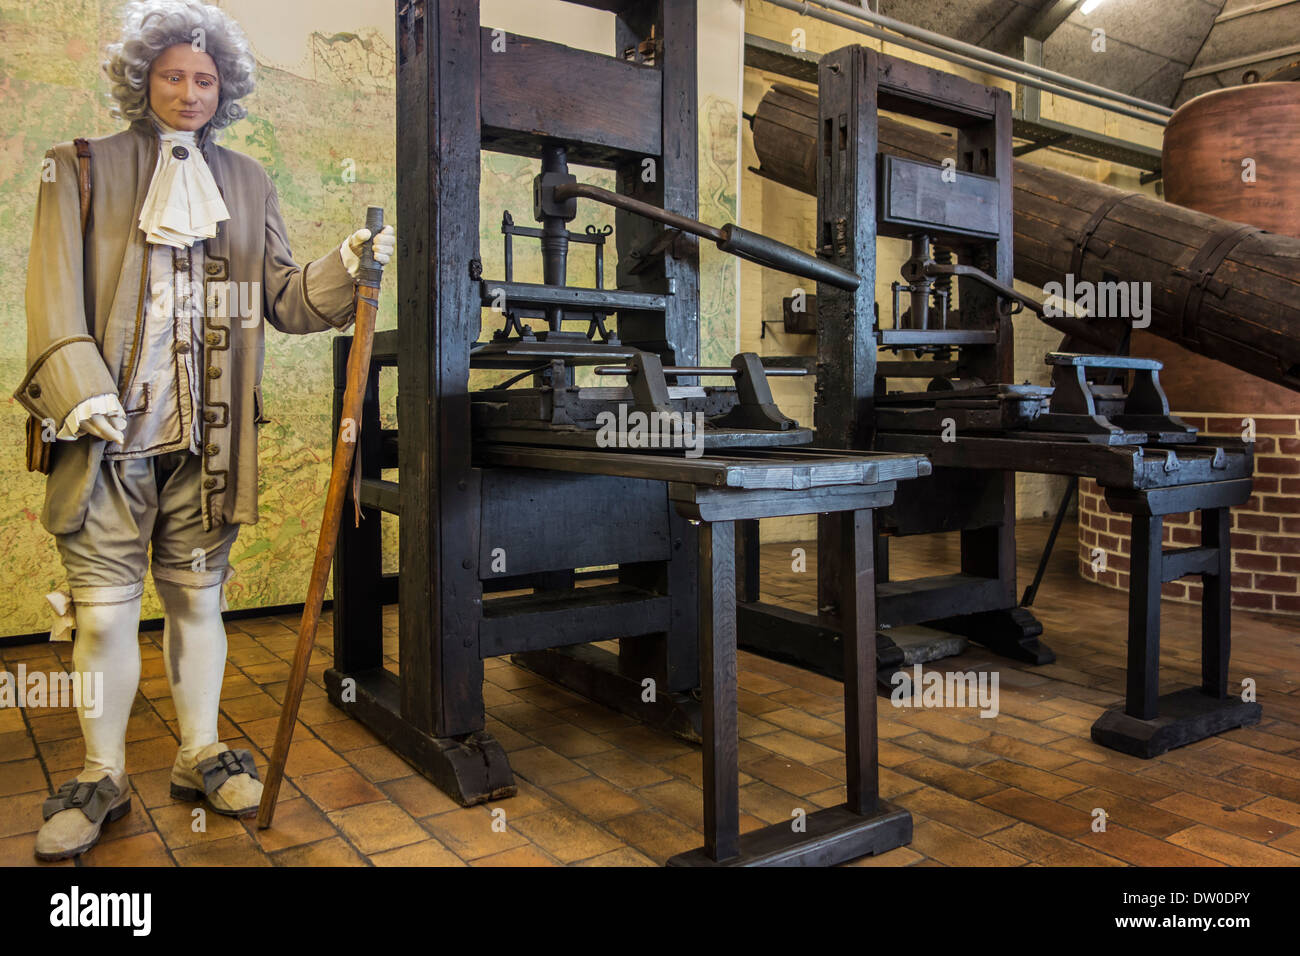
(209, 416)
(182, 347)
(180, 152)
(34, 390)
(214, 372)
(182, 265)
(212, 448)
(212, 268)
(213, 338)
(209, 482)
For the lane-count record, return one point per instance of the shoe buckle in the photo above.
(230, 763)
(80, 796)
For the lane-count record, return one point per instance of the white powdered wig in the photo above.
(151, 26)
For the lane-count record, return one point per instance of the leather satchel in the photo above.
(40, 453)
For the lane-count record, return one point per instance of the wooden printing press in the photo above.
(519, 478)
(979, 428)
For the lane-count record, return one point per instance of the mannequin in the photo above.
(158, 395)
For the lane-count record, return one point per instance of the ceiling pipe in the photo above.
(989, 56)
(860, 20)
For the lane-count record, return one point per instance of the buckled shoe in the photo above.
(227, 779)
(76, 814)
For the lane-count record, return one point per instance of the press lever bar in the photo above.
(730, 238)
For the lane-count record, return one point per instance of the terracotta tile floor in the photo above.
(597, 789)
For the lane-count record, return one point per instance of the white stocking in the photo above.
(108, 643)
(194, 648)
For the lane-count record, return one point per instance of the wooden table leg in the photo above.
(1216, 604)
(863, 824)
(1147, 724)
(858, 627)
(747, 562)
(718, 680)
(1145, 574)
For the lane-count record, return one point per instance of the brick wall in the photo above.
(1265, 530)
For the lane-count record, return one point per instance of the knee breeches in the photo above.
(136, 504)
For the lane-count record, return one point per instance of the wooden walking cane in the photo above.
(369, 276)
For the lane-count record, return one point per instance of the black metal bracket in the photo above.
(756, 408)
(593, 236)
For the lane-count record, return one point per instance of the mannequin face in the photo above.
(184, 87)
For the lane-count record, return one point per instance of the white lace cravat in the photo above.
(183, 204)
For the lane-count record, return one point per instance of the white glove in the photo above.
(104, 428)
(99, 415)
(385, 245)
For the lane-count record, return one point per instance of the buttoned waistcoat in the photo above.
(248, 261)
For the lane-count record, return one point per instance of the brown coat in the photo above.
(67, 365)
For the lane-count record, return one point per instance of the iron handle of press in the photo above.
(933, 270)
(1063, 324)
(731, 238)
(765, 251)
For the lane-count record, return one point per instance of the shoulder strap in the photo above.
(83, 179)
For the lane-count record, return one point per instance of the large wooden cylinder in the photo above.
(1229, 153)
(1243, 310)
(1232, 153)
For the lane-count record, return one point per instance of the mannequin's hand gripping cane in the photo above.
(345, 444)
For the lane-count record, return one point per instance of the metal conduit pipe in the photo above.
(924, 41)
(990, 56)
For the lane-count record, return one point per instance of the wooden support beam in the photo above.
(596, 104)
(438, 193)
(1180, 562)
(530, 622)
